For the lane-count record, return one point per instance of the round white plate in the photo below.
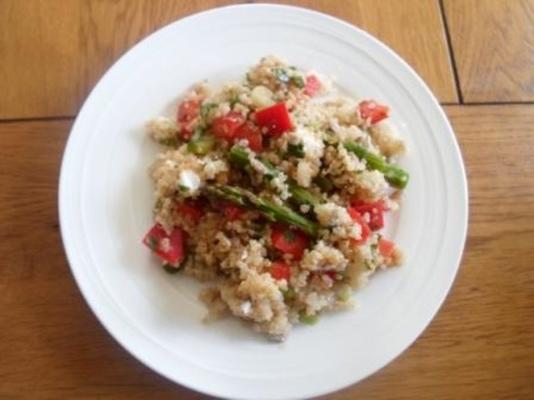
(105, 201)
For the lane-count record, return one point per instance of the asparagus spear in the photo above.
(302, 196)
(239, 155)
(272, 211)
(394, 175)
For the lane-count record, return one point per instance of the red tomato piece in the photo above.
(375, 212)
(386, 248)
(192, 210)
(312, 86)
(252, 134)
(280, 270)
(357, 217)
(331, 274)
(186, 133)
(289, 241)
(370, 109)
(226, 126)
(275, 119)
(169, 247)
(232, 212)
(188, 110)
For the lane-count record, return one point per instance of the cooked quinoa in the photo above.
(274, 189)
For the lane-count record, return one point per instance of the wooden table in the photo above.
(478, 58)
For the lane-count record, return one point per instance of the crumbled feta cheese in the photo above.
(214, 167)
(305, 173)
(279, 182)
(330, 214)
(189, 180)
(313, 145)
(246, 307)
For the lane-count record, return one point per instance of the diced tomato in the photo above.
(252, 134)
(357, 217)
(275, 119)
(185, 133)
(280, 270)
(192, 210)
(289, 241)
(188, 110)
(375, 211)
(232, 212)
(331, 274)
(169, 247)
(370, 109)
(313, 85)
(225, 127)
(386, 248)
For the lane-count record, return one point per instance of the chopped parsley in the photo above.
(234, 99)
(289, 294)
(324, 183)
(296, 150)
(170, 142)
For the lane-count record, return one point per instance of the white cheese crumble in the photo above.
(246, 307)
(189, 180)
(313, 145)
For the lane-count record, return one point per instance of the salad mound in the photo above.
(274, 190)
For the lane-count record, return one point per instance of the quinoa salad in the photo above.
(274, 190)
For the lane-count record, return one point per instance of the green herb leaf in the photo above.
(324, 183)
(234, 99)
(289, 294)
(296, 150)
(170, 142)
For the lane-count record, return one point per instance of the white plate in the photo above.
(105, 200)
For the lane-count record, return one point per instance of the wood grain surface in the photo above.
(479, 346)
(493, 42)
(53, 52)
